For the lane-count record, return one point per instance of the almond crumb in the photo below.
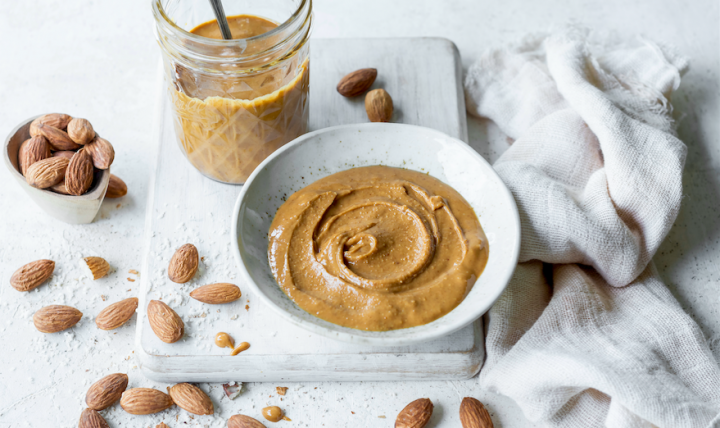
(381, 417)
(281, 390)
(247, 307)
(133, 271)
(131, 280)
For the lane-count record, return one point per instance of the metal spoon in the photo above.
(221, 19)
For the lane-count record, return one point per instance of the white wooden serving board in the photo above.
(423, 75)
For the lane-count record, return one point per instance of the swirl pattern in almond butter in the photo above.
(377, 248)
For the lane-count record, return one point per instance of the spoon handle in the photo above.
(221, 19)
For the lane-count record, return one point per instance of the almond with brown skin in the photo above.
(31, 275)
(242, 421)
(59, 139)
(98, 266)
(357, 82)
(67, 154)
(105, 392)
(116, 314)
(184, 264)
(379, 106)
(56, 120)
(415, 415)
(79, 176)
(166, 323)
(90, 418)
(116, 187)
(474, 415)
(144, 401)
(59, 188)
(216, 294)
(33, 150)
(102, 152)
(54, 318)
(47, 172)
(80, 131)
(192, 399)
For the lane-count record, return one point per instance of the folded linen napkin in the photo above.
(587, 334)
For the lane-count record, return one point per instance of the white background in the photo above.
(97, 59)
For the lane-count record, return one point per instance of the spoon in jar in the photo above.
(221, 19)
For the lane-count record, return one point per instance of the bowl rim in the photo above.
(441, 330)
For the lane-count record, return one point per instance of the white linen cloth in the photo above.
(587, 334)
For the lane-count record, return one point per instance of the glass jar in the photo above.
(235, 101)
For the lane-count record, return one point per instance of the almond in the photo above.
(474, 415)
(357, 82)
(79, 176)
(116, 187)
(67, 154)
(184, 264)
(415, 415)
(54, 318)
(281, 390)
(379, 106)
(47, 172)
(192, 399)
(216, 294)
(90, 418)
(58, 139)
(161, 425)
(242, 421)
(98, 266)
(33, 150)
(105, 392)
(116, 314)
(80, 131)
(144, 401)
(166, 323)
(31, 275)
(60, 188)
(56, 120)
(102, 152)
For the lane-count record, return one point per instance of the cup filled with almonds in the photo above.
(64, 166)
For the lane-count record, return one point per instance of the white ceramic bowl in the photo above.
(327, 151)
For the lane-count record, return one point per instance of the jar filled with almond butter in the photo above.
(235, 101)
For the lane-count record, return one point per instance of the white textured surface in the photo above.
(97, 60)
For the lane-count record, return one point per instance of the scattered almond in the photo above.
(58, 138)
(90, 418)
(105, 392)
(80, 131)
(98, 266)
(102, 152)
(47, 172)
(79, 176)
(216, 294)
(184, 264)
(166, 323)
(33, 150)
(232, 389)
(272, 413)
(242, 421)
(56, 120)
(192, 399)
(474, 415)
(54, 318)
(144, 401)
(379, 106)
(116, 314)
(415, 415)
(281, 390)
(31, 275)
(357, 82)
(116, 187)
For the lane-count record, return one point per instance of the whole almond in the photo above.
(56, 120)
(98, 266)
(166, 323)
(79, 176)
(33, 150)
(54, 318)
(116, 187)
(105, 392)
(184, 264)
(415, 415)
(90, 418)
(216, 294)
(116, 314)
(379, 106)
(59, 188)
(47, 172)
(31, 275)
(192, 399)
(80, 131)
(102, 152)
(357, 82)
(58, 138)
(474, 415)
(144, 401)
(242, 421)
(67, 154)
